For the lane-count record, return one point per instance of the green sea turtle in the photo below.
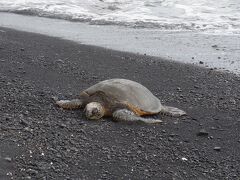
(123, 99)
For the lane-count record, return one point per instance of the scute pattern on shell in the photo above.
(130, 92)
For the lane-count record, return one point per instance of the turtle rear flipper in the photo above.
(172, 111)
(129, 116)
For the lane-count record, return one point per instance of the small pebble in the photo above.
(179, 89)
(62, 125)
(217, 148)
(8, 159)
(202, 132)
(24, 122)
(59, 61)
(141, 146)
(32, 171)
(196, 87)
(211, 137)
(9, 173)
(28, 129)
(184, 159)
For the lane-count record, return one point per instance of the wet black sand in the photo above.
(40, 141)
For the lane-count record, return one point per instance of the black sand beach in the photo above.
(40, 141)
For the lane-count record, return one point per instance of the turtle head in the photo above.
(94, 110)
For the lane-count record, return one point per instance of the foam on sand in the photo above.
(215, 51)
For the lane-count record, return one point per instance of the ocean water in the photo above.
(207, 16)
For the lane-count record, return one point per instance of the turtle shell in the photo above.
(135, 95)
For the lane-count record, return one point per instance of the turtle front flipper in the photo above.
(126, 115)
(172, 111)
(69, 104)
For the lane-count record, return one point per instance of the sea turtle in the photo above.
(123, 99)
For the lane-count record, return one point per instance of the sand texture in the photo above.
(41, 141)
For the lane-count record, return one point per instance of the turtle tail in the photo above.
(172, 111)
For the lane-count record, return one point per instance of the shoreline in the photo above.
(52, 143)
(220, 52)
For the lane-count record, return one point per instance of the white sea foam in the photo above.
(194, 15)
